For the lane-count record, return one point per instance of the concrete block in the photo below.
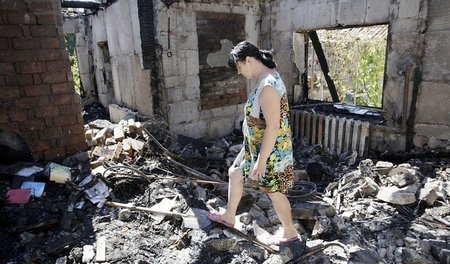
(433, 131)
(314, 15)
(192, 88)
(436, 62)
(252, 23)
(188, 41)
(172, 81)
(377, 11)
(224, 111)
(409, 9)
(174, 94)
(429, 196)
(98, 27)
(119, 135)
(183, 112)
(220, 127)
(117, 151)
(186, 20)
(396, 196)
(117, 113)
(197, 129)
(351, 12)
(205, 114)
(181, 66)
(283, 20)
(131, 126)
(285, 61)
(433, 109)
(192, 63)
(404, 25)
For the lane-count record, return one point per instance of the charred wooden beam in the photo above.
(323, 64)
(81, 4)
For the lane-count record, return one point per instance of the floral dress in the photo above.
(279, 176)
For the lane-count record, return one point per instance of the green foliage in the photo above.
(69, 40)
(70, 45)
(356, 66)
(75, 73)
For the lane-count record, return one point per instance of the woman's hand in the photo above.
(259, 170)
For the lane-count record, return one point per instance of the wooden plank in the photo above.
(348, 134)
(333, 134)
(364, 138)
(323, 64)
(340, 134)
(320, 129)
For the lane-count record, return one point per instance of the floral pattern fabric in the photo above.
(279, 176)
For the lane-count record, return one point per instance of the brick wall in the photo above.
(37, 97)
(219, 86)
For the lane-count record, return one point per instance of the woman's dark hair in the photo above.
(246, 49)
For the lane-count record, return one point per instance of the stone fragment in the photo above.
(428, 195)
(200, 193)
(110, 141)
(273, 217)
(300, 175)
(245, 218)
(88, 253)
(91, 143)
(401, 177)
(119, 135)
(348, 215)
(117, 151)
(309, 210)
(264, 202)
(101, 135)
(384, 167)
(395, 195)
(413, 257)
(223, 244)
(88, 134)
(100, 255)
(367, 188)
(235, 148)
(139, 127)
(131, 126)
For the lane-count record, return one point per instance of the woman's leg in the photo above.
(283, 210)
(235, 190)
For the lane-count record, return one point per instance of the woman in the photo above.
(266, 158)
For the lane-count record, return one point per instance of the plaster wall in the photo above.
(122, 80)
(180, 72)
(432, 123)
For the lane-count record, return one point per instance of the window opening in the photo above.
(355, 62)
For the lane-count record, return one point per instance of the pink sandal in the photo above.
(277, 241)
(217, 218)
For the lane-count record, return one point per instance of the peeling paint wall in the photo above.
(120, 78)
(432, 123)
(180, 72)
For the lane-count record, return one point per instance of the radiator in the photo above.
(337, 134)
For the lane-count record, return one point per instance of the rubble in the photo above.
(140, 195)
